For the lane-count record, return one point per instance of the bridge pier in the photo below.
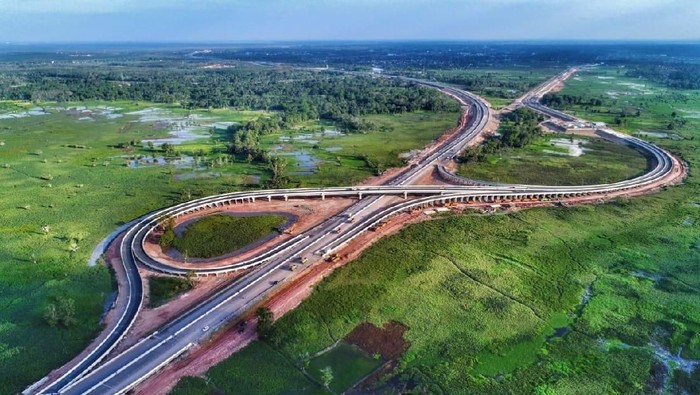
(405, 195)
(323, 196)
(269, 198)
(286, 198)
(359, 195)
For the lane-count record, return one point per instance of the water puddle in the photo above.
(663, 355)
(559, 333)
(310, 138)
(573, 147)
(197, 175)
(181, 162)
(654, 277)
(691, 113)
(661, 135)
(305, 163)
(181, 128)
(33, 112)
(333, 149)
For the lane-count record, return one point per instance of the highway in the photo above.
(271, 269)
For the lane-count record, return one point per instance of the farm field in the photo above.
(591, 299)
(77, 171)
(556, 159)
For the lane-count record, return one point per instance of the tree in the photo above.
(191, 278)
(265, 321)
(66, 311)
(51, 314)
(326, 376)
(278, 166)
(167, 239)
(60, 311)
(73, 246)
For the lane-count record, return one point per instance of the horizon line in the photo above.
(367, 41)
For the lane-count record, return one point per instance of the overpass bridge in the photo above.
(374, 205)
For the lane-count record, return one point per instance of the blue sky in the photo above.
(264, 20)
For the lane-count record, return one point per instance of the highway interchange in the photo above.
(269, 270)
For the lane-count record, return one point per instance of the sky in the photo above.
(293, 20)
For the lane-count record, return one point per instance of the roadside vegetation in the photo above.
(162, 289)
(590, 299)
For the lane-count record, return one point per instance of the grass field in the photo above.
(220, 234)
(274, 374)
(529, 302)
(68, 182)
(547, 161)
(347, 363)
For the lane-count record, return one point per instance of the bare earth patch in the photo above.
(387, 341)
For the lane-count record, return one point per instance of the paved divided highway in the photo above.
(375, 204)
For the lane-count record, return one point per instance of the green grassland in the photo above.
(483, 295)
(65, 185)
(348, 364)
(544, 163)
(218, 235)
(624, 95)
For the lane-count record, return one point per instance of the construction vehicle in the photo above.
(333, 258)
(293, 267)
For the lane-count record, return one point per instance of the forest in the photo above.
(297, 95)
(680, 76)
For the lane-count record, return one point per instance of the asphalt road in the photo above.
(127, 369)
